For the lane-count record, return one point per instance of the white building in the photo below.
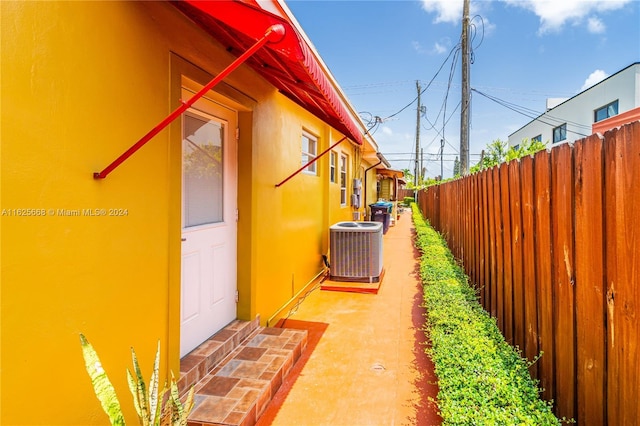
(610, 103)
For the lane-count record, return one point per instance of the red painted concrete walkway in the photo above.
(365, 362)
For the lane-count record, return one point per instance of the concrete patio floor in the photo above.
(367, 365)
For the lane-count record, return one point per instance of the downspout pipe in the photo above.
(365, 180)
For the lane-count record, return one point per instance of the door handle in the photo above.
(183, 239)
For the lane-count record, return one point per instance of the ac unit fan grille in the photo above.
(356, 255)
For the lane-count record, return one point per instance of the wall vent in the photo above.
(356, 251)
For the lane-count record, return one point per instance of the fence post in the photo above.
(544, 272)
(622, 204)
(563, 278)
(590, 285)
(530, 282)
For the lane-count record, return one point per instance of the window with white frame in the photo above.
(560, 133)
(343, 180)
(605, 112)
(309, 152)
(333, 162)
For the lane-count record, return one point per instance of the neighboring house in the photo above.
(610, 103)
(191, 231)
(388, 186)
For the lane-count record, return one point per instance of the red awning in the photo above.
(289, 65)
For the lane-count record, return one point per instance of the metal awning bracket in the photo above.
(274, 34)
(344, 138)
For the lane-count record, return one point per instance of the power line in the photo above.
(426, 153)
(473, 27)
(439, 133)
(443, 108)
(520, 110)
(454, 49)
(529, 95)
(380, 84)
(526, 110)
(535, 93)
(446, 97)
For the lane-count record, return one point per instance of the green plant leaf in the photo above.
(154, 407)
(133, 388)
(101, 385)
(481, 378)
(141, 391)
(187, 407)
(174, 406)
(178, 411)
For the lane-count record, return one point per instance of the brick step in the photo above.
(238, 370)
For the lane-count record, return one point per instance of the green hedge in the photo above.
(482, 379)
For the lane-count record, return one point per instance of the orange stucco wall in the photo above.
(81, 82)
(616, 121)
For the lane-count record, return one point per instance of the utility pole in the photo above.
(464, 116)
(421, 163)
(441, 155)
(417, 171)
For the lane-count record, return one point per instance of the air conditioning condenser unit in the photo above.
(356, 251)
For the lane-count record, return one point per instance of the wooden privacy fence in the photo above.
(403, 192)
(552, 243)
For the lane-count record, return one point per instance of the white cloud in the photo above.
(450, 11)
(387, 130)
(488, 26)
(417, 47)
(446, 10)
(555, 14)
(439, 48)
(595, 25)
(594, 78)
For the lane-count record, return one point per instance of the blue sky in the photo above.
(524, 51)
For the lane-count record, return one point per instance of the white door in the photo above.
(209, 201)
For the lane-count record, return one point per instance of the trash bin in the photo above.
(381, 212)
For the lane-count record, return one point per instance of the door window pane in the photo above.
(202, 168)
